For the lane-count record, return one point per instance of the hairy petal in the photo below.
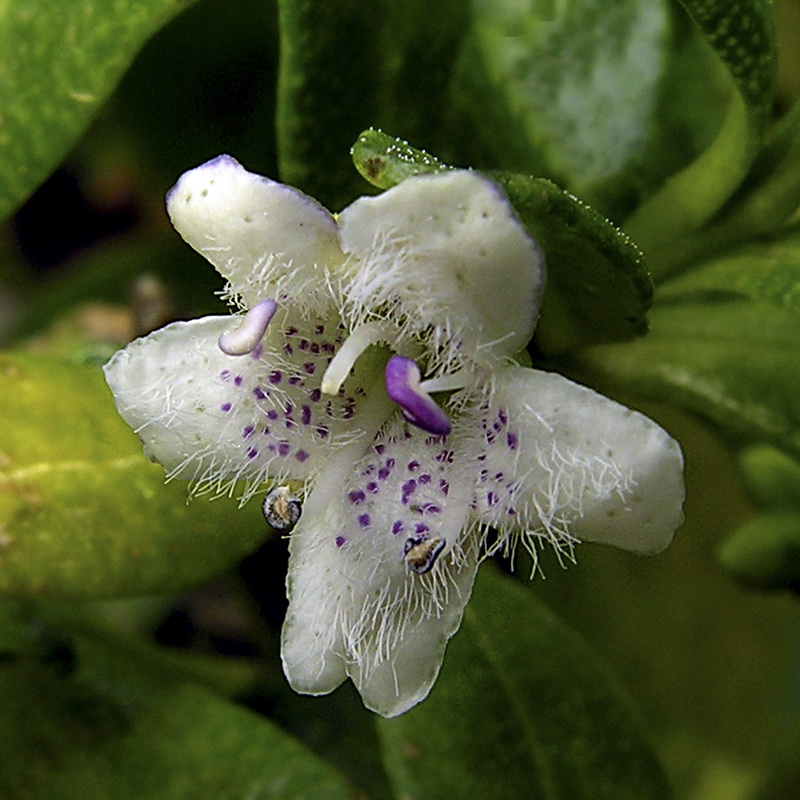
(355, 606)
(214, 418)
(449, 252)
(267, 239)
(564, 464)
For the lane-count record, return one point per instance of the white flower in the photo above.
(320, 388)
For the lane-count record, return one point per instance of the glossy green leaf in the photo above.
(60, 62)
(598, 287)
(571, 94)
(742, 33)
(765, 552)
(83, 513)
(732, 360)
(118, 723)
(522, 709)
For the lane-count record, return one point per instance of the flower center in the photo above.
(402, 378)
(247, 335)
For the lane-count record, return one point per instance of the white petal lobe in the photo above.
(449, 252)
(267, 239)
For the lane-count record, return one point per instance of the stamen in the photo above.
(448, 383)
(245, 337)
(418, 407)
(421, 553)
(355, 344)
(282, 508)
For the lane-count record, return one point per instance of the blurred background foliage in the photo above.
(103, 105)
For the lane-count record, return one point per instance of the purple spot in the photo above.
(289, 423)
(444, 486)
(304, 344)
(259, 393)
(340, 541)
(413, 466)
(291, 330)
(319, 329)
(511, 511)
(364, 520)
(379, 448)
(421, 527)
(248, 432)
(502, 417)
(272, 414)
(283, 448)
(306, 416)
(511, 440)
(322, 431)
(252, 452)
(408, 488)
(430, 508)
(384, 473)
(266, 430)
(498, 476)
(372, 487)
(423, 479)
(295, 380)
(275, 377)
(288, 408)
(397, 526)
(225, 374)
(314, 395)
(226, 406)
(288, 349)
(492, 498)
(301, 455)
(309, 367)
(314, 348)
(356, 497)
(445, 457)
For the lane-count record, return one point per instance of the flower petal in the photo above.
(267, 239)
(356, 606)
(449, 252)
(214, 418)
(566, 464)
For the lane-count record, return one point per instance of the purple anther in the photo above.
(417, 406)
(247, 335)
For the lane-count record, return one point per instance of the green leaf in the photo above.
(83, 513)
(60, 62)
(772, 476)
(743, 36)
(328, 87)
(537, 715)
(571, 94)
(120, 725)
(764, 553)
(598, 287)
(768, 272)
(732, 360)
